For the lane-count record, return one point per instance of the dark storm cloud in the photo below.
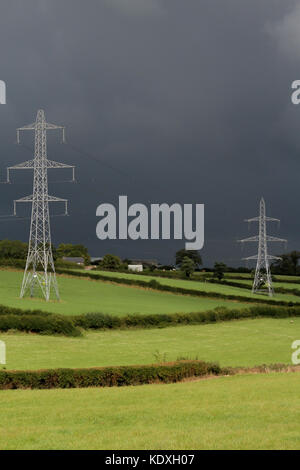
(180, 102)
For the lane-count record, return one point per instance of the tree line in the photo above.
(188, 261)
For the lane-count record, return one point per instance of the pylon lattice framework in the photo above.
(39, 270)
(262, 279)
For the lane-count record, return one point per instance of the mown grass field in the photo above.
(241, 412)
(84, 295)
(203, 286)
(234, 343)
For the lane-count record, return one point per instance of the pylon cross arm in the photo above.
(250, 257)
(21, 166)
(250, 239)
(269, 238)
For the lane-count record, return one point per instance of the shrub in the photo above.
(154, 284)
(5, 310)
(13, 262)
(107, 376)
(51, 324)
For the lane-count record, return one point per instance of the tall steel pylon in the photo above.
(262, 279)
(39, 270)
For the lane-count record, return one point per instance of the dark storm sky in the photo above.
(164, 101)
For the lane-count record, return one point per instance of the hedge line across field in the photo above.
(105, 321)
(107, 376)
(47, 323)
(36, 321)
(279, 290)
(119, 376)
(154, 284)
(50, 325)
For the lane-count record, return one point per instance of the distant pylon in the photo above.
(262, 279)
(39, 268)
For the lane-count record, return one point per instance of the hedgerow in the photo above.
(107, 376)
(48, 325)
(106, 321)
(119, 376)
(279, 290)
(5, 310)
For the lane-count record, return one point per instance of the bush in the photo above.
(13, 262)
(154, 284)
(111, 262)
(97, 321)
(48, 325)
(5, 310)
(107, 376)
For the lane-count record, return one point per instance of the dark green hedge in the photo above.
(12, 262)
(154, 284)
(107, 376)
(105, 321)
(278, 290)
(225, 282)
(5, 310)
(48, 325)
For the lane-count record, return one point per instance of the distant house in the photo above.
(75, 259)
(138, 268)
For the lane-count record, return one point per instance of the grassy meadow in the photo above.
(235, 343)
(260, 411)
(85, 295)
(248, 411)
(205, 286)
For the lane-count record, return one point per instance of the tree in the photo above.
(288, 264)
(219, 270)
(111, 262)
(69, 250)
(187, 266)
(13, 249)
(191, 254)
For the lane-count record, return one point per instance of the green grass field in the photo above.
(84, 295)
(203, 286)
(235, 343)
(259, 411)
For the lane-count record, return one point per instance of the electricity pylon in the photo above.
(262, 279)
(39, 268)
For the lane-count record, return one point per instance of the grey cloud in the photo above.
(165, 101)
(286, 32)
(136, 8)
